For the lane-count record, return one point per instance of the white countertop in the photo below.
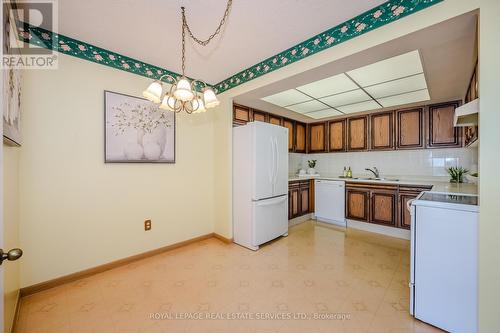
(438, 185)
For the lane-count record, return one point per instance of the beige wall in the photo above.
(489, 166)
(78, 212)
(489, 159)
(10, 231)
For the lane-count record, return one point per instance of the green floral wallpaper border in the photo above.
(374, 18)
(67, 45)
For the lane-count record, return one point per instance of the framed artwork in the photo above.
(137, 131)
(11, 77)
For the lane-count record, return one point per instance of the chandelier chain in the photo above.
(217, 31)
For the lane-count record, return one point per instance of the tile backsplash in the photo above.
(425, 162)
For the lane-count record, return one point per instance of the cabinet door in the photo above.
(442, 133)
(259, 116)
(357, 133)
(293, 200)
(241, 114)
(357, 204)
(404, 218)
(383, 207)
(336, 135)
(410, 129)
(317, 137)
(275, 120)
(300, 137)
(290, 124)
(382, 131)
(304, 198)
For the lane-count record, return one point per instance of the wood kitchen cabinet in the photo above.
(259, 116)
(357, 133)
(275, 120)
(290, 124)
(300, 198)
(241, 114)
(336, 135)
(317, 137)
(442, 133)
(406, 194)
(382, 131)
(383, 207)
(357, 204)
(410, 128)
(300, 137)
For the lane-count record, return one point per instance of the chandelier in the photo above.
(183, 94)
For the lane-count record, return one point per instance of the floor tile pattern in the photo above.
(318, 270)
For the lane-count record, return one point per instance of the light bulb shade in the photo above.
(168, 103)
(153, 92)
(199, 105)
(183, 90)
(211, 100)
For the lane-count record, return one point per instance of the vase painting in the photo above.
(137, 130)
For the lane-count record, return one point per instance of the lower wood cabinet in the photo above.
(383, 204)
(358, 204)
(383, 207)
(300, 198)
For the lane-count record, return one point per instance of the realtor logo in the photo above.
(27, 41)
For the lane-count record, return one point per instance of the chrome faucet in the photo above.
(375, 172)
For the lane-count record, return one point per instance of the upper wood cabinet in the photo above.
(259, 116)
(241, 114)
(275, 120)
(410, 128)
(336, 135)
(317, 137)
(357, 133)
(382, 129)
(290, 124)
(441, 131)
(300, 137)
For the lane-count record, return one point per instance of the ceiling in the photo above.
(150, 30)
(430, 65)
(389, 82)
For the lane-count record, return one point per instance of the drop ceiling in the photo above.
(390, 82)
(428, 66)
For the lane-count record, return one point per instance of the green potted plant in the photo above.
(457, 174)
(312, 164)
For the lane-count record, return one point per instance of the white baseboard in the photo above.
(300, 219)
(379, 229)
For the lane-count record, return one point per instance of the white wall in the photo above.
(78, 212)
(10, 231)
(425, 162)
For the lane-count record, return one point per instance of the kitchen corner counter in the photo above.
(437, 185)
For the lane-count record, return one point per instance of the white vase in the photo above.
(311, 171)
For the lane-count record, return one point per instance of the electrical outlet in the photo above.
(147, 225)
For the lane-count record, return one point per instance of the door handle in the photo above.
(12, 255)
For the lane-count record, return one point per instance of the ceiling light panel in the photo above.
(396, 87)
(307, 107)
(287, 97)
(388, 69)
(351, 97)
(412, 97)
(324, 114)
(329, 86)
(359, 107)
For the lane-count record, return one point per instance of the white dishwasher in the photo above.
(329, 201)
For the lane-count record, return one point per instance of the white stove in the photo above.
(443, 267)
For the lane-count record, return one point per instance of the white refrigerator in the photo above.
(260, 183)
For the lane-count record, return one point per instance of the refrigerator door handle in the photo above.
(270, 202)
(271, 166)
(277, 160)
